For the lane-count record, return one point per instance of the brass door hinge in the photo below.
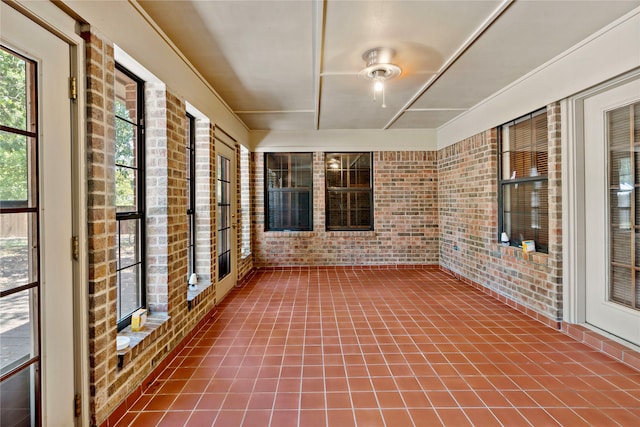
(73, 88)
(75, 247)
(77, 404)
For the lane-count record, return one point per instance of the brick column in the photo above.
(555, 207)
(101, 217)
(205, 202)
(166, 198)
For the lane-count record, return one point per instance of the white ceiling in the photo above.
(293, 64)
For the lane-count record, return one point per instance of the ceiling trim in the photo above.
(435, 109)
(457, 54)
(318, 49)
(273, 111)
(344, 139)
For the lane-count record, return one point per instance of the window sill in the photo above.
(195, 296)
(517, 253)
(156, 325)
(291, 233)
(352, 233)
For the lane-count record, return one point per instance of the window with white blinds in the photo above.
(524, 195)
(623, 134)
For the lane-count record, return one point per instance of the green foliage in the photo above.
(13, 113)
(14, 150)
(125, 177)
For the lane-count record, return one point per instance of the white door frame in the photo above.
(573, 200)
(225, 142)
(63, 26)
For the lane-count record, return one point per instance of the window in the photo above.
(130, 214)
(191, 194)
(524, 206)
(349, 193)
(288, 181)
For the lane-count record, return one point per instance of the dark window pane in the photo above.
(16, 397)
(289, 180)
(128, 243)
(191, 194)
(129, 176)
(129, 295)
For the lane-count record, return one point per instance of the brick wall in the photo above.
(101, 218)
(165, 195)
(114, 376)
(205, 207)
(468, 220)
(243, 203)
(405, 218)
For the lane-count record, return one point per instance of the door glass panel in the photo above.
(14, 87)
(19, 256)
(13, 168)
(623, 143)
(224, 217)
(17, 323)
(19, 243)
(17, 393)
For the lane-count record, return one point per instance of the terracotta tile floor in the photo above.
(382, 348)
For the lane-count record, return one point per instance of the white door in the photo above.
(612, 211)
(227, 221)
(36, 271)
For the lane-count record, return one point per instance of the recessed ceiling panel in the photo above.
(423, 33)
(258, 55)
(527, 35)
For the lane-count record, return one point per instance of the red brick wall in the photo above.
(468, 221)
(165, 195)
(205, 203)
(166, 224)
(405, 218)
(101, 217)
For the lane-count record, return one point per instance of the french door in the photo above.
(226, 217)
(36, 271)
(612, 211)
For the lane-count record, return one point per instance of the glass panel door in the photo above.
(19, 242)
(226, 218)
(612, 209)
(37, 346)
(623, 135)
